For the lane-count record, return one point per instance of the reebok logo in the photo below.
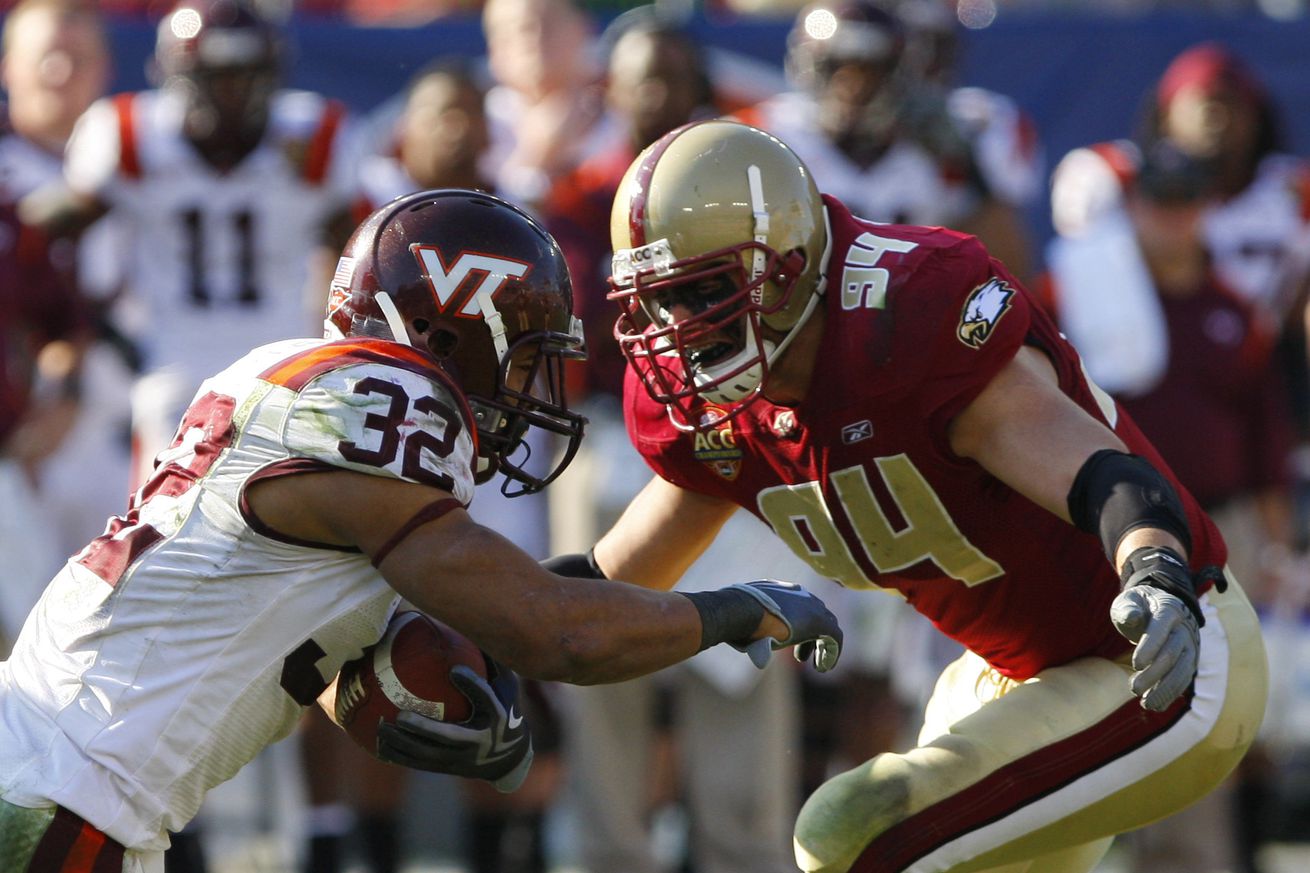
(857, 432)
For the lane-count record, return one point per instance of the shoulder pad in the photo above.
(379, 408)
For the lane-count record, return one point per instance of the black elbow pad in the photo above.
(1115, 493)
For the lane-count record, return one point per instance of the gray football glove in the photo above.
(811, 627)
(494, 743)
(1158, 611)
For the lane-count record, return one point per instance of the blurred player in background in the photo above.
(311, 485)
(873, 115)
(42, 332)
(1213, 106)
(55, 64)
(227, 183)
(891, 402)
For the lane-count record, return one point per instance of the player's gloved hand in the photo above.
(1159, 612)
(811, 626)
(494, 743)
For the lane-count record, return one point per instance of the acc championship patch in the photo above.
(717, 448)
(982, 311)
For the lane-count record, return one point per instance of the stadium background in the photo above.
(1079, 74)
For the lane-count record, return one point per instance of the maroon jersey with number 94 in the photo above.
(859, 478)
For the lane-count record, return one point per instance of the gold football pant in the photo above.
(1039, 777)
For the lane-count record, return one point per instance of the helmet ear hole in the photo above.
(441, 343)
(793, 262)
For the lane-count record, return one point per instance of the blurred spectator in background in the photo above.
(881, 129)
(1137, 292)
(1213, 106)
(439, 140)
(40, 343)
(546, 108)
(690, 737)
(657, 79)
(55, 64)
(227, 184)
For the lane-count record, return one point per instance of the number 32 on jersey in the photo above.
(799, 514)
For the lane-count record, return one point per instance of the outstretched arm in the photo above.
(1031, 436)
(538, 624)
(661, 533)
(60, 211)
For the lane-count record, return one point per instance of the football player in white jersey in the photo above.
(310, 486)
(228, 183)
(897, 145)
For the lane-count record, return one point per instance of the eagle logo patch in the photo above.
(982, 311)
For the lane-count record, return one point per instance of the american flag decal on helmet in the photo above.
(345, 271)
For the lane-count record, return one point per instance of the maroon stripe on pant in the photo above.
(110, 859)
(56, 842)
(1016, 785)
(70, 845)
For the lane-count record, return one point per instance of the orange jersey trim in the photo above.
(320, 146)
(299, 370)
(84, 851)
(129, 162)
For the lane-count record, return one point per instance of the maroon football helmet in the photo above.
(225, 57)
(831, 32)
(847, 55)
(481, 287)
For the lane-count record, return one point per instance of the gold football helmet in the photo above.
(718, 229)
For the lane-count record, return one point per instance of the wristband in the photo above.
(577, 565)
(1163, 568)
(726, 616)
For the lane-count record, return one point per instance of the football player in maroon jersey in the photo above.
(890, 401)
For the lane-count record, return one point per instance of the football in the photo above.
(408, 669)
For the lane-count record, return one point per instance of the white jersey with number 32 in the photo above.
(176, 646)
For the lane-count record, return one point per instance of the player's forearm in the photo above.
(660, 535)
(541, 625)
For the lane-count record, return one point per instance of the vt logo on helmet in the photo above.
(719, 235)
(481, 269)
(481, 287)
